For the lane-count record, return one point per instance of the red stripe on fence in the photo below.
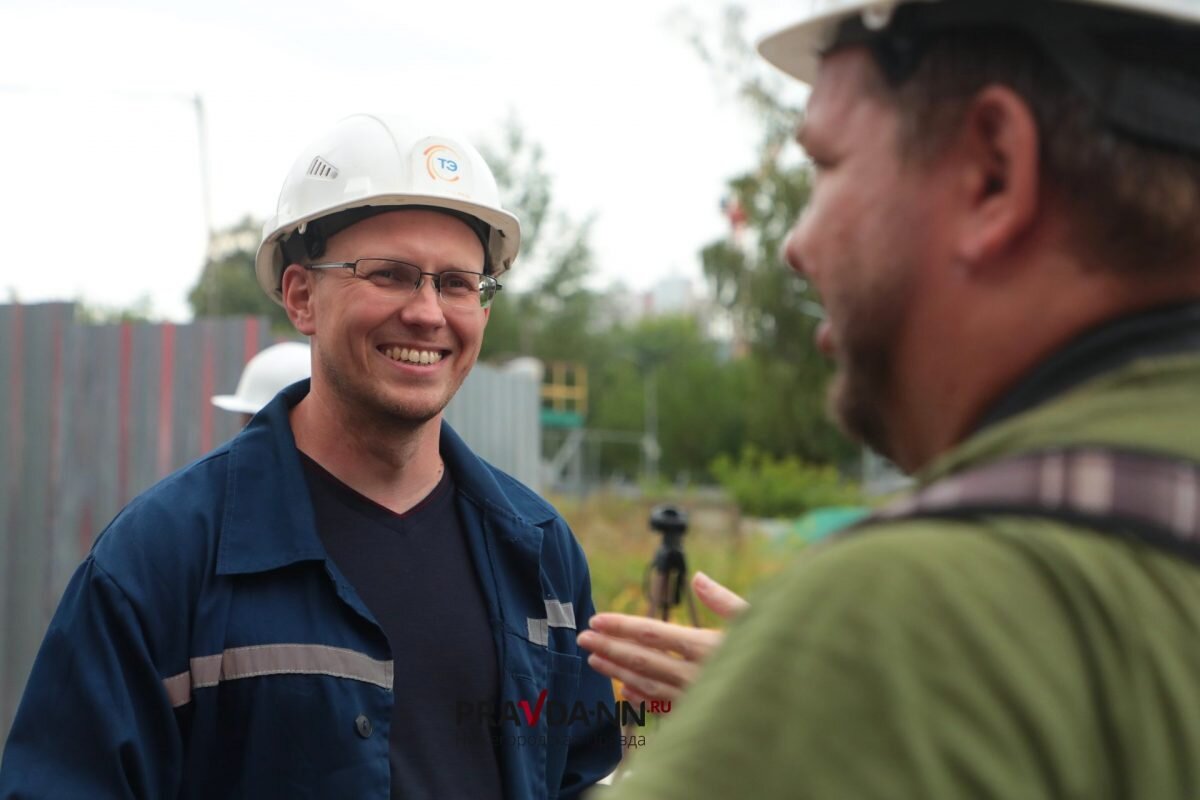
(166, 399)
(250, 339)
(56, 403)
(124, 393)
(55, 494)
(207, 380)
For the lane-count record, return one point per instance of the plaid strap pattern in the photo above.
(1144, 496)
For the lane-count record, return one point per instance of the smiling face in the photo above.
(861, 240)
(394, 359)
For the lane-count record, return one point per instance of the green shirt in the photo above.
(1015, 657)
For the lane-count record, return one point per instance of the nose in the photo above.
(423, 308)
(795, 247)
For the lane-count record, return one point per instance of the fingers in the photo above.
(652, 664)
(638, 685)
(725, 603)
(631, 694)
(694, 644)
(647, 672)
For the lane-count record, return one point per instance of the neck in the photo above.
(946, 390)
(394, 466)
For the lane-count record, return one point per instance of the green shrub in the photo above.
(763, 486)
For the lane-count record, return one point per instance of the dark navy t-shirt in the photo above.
(414, 572)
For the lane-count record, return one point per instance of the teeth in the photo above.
(413, 355)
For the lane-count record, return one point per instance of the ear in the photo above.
(999, 143)
(299, 293)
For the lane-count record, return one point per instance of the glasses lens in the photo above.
(466, 289)
(390, 275)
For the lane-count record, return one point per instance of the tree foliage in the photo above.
(140, 310)
(775, 311)
(227, 286)
(555, 315)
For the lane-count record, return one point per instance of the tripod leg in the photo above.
(660, 604)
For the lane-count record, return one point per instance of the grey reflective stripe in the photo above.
(276, 659)
(539, 631)
(560, 615)
(1099, 483)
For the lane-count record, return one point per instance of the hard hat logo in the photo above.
(442, 163)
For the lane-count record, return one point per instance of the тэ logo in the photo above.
(442, 163)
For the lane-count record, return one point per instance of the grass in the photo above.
(615, 533)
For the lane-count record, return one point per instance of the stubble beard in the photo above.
(863, 392)
(374, 410)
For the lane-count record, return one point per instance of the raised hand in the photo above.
(658, 660)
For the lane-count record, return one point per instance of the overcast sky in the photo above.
(101, 197)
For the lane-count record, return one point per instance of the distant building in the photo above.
(671, 295)
(243, 238)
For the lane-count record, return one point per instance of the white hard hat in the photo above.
(797, 48)
(264, 375)
(368, 162)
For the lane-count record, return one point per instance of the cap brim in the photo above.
(796, 50)
(231, 402)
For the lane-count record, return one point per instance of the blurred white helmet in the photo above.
(797, 48)
(270, 370)
(1134, 60)
(367, 163)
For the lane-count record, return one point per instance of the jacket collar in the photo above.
(268, 519)
(1105, 348)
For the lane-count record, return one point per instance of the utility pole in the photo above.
(206, 195)
(650, 446)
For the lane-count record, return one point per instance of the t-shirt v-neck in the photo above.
(415, 574)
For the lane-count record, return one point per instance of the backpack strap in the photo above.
(1150, 498)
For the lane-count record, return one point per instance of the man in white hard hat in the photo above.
(343, 601)
(271, 370)
(1005, 229)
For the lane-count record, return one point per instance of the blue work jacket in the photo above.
(209, 648)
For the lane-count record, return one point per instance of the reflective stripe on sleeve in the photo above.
(560, 615)
(276, 659)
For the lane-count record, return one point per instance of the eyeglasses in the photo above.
(455, 288)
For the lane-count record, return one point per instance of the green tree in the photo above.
(775, 312)
(227, 286)
(671, 365)
(668, 363)
(554, 317)
(139, 311)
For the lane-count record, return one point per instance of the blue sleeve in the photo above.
(95, 721)
(595, 747)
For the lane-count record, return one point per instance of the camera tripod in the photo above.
(666, 580)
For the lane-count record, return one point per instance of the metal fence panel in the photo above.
(92, 415)
(497, 414)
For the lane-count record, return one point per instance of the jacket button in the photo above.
(363, 726)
